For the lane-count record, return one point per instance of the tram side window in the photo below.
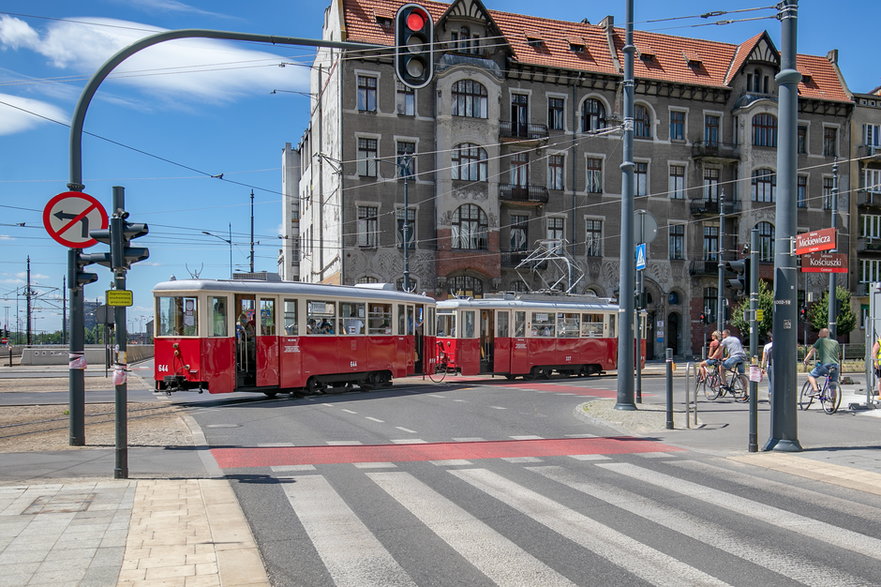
(178, 316)
(267, 317)
(379, 319)
(612, 326)
(502, 319)
(290, 318)
(321, 317)
(399, 310)
(568, 325)
(519, 324)
(592, 325)
(411, 323)
(218, 315)
(542, 324)
(446, 324)
(352, 318)
(468, 324)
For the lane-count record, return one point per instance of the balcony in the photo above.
(869, 153)
(531, 194)
(868, 245)
(714, 150)
(513, 258)
(522, 132)
(867, 199)
(704, 268)
(703, 207)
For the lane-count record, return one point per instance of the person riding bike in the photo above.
(714, 354)
(734, 351)
(827, 359)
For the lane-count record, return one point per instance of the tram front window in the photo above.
(177, 315)
(446, 324)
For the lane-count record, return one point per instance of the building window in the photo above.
(367, 155)
(764, 184)
(593, 237)
(828, 186)
(766, 242)
(520, 115)
(641, 178)
(555, 172)
(711, 242)
(872, 180)
(676, 187)
(469, 99)
(870, 270)
(676, 241)
(711, 296)
(465, 285)
(593, 115)
(711, 184)
(405, 100)
(711, 130)
(519, 232)
(469, 162)
(367, 279)
(765, 130)
(406, 160)
(677, 125)
(556, 111)
(520, 169)
(870, 225)
(411, 228)
(642, 122)
(366, 93)
(594, 167)
(872, 135)
(830, 141)
(802, 139)
(801, 191)
(469, 228)
(367, 226)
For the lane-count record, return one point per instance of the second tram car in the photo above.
(527, 335)
(241, 335)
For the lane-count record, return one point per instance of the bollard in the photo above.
(669, 363)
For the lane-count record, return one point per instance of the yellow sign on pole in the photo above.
(760, 314)
(119, 297)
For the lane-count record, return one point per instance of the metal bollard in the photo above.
(669, 364)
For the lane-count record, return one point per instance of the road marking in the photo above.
(372, 419)
(630, 554)
(377, 465)
(589, 457)
(408, 441)
(469, 439)
(526, 437)
(344, 442)
(522, 459)
(349, 411)
(350, 552)
(292, 468)
(450, 462)
(407, 430)
(497, 557)
(498, 408)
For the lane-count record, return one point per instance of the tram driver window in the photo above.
(542, 324)
(468, 324)
(321, 317)
(178, 316)
(519, 324)
(352, 318)
(379, 319)
(446, 324)
(218, 315)
(568, 325)
(290, 318)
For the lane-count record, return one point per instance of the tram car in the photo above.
(528, 335)
(223, 336)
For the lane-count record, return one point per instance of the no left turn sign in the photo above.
(69, 216)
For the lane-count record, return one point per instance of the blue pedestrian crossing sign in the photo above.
(640, 256)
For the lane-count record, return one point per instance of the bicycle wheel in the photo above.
(806, 397)
(740, 388)
(703, 386)
(831, 398)
(439, 372)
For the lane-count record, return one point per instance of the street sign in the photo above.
(640, 257)
(646, 226)
(824, 263)
(760, 314)
(119, 297)
(69, 216)
(816, 240)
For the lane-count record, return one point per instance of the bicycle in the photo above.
(715, 385)
(441, 365)
(827, 395)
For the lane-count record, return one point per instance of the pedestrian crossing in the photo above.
(560, 520)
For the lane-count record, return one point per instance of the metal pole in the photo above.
(404, 165)
(120, 367)
(252, 231)
(669, 367)
(229, 228)
(76, 354)
(626, 261)
(833, 302)
(753, 442)
(639, 288)
(720, 283)
(784, 425)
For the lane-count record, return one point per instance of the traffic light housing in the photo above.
(740, 282)
(118, 236)
(77, 262)
(414, 46)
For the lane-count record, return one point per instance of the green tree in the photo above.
(818, 313)
(766, 303)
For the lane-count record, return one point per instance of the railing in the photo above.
(872, 151)
(868, 198)
(513, 258)
(714, 149)
(704, 207)
(866, 245)
(523, 131)
(529, 193)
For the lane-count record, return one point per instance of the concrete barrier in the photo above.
(57, 354)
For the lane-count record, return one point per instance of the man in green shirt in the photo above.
(827, 358)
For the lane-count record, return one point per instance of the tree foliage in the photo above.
(818, 312)
(766, 303)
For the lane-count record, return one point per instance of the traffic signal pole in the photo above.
(76, 353)
(120, 366)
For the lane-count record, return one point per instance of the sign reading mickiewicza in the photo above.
(816, 240)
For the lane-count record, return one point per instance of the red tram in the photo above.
(529, 335)
(235, 335)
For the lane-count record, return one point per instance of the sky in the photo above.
(176, 116)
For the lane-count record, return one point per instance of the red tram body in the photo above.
(528, 335)
(240, 335)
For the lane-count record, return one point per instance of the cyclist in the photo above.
(713, 355)
(876, 363)
(827, 359)
(734, 350)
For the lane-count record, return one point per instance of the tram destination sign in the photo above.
(824, 263)
(816, 240)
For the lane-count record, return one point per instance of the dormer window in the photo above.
(647, 55)
(384, 18)
(578, 46)
(692, 59)
(534, 39)
(464, 42)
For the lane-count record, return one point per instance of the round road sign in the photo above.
(69, 216)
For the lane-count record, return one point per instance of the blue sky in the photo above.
(187, 110)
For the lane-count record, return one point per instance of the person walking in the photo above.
(767, 362)
(827, 350)
(876, 363)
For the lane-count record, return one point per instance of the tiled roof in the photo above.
(673, 59)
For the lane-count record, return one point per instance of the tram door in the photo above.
(487, 338)
(246, 340)
(419, 337)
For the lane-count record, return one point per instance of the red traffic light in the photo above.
(416, 20)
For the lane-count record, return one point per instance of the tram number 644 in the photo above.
(162, 369)
(353, 364)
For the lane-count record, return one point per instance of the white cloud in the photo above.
(16, 33)
(18, 114)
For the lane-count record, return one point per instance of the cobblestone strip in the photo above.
(850, 477)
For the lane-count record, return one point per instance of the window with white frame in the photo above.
(872, 135)
(469, 162)
(367, 156)
(711, 184)
(469, 99)
(368, 224)
(593, 115)
(555, 172)
(593, 237)
(520, 169)
(711, 242)
(405, 99)
(677, 125)
(556, 112)
(594, 166)
(641, 179)
(366, 93)
(519, 232)
(765, 130)
(766, 242)
(406, 160)
(870, 226)
(870, 270)
(764, 184)
(556, 228)
(872, 180)
(712, 124)
(469, 228)
(676, 184)
(676, 241)
(642, 122)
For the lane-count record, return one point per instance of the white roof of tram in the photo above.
(556, 303)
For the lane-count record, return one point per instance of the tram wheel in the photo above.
(510, 377)
(270, 394)
(314, 385)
